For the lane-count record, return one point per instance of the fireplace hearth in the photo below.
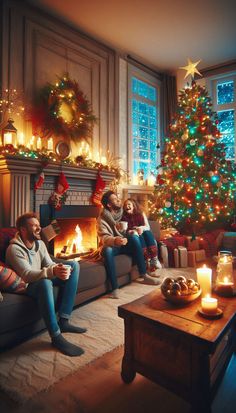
(77, 225)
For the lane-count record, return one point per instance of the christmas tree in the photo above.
(195, 185)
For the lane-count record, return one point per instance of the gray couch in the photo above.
(19, 316)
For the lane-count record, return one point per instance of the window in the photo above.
(144, 127)
(224, 103)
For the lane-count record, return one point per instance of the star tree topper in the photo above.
(191, 68)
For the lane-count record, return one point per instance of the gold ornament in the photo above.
(184, 137)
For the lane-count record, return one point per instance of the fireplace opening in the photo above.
(78, 234)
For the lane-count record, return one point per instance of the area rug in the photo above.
(35, 366)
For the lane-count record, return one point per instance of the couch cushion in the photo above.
(93, 274)
(16, 311)
(10, 281)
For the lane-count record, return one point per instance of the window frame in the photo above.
(156, 83)
(212, 83)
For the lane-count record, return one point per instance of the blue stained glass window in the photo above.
(135, 130)
(143, 120)
(153, 134)
(153, 145)
(134, 85)
(226, 121)
(230, 152)
(144, 127)
(225, 92)
(143, 144)
(227, 127)
(134, 104)
(142, 107)
(135, 117)
(152, 111)
(153, 156)
(143, 132)
(153, 122)
(143, 89)
(143, 155)
(152, 93)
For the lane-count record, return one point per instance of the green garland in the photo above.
(62, 110)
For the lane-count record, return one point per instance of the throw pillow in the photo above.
(9, 281)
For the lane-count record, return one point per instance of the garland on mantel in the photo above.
(62, 110)
(80, 161)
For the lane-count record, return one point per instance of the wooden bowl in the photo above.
(181, 299)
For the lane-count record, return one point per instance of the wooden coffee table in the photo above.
(177, 348)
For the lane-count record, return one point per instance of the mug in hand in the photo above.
(68, 268)
(122, 225)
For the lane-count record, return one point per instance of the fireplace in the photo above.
(18, 176)
(77, 225)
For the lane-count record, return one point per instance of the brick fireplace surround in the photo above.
(17, 179)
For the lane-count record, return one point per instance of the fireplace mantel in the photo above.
(17, 164)
(17, 177)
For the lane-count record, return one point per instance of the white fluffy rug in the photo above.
(35, 366)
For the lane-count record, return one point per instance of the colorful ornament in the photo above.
(184, 137)
(168, 204)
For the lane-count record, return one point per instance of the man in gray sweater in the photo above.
(114, 242)
(27, 255)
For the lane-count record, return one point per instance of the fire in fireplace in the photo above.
(77, 223)
(77, 236)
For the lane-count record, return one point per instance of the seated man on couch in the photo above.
(27, 255)
(113, 242)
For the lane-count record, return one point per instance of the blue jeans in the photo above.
(42, 292)
(149, 244)
(132, 248)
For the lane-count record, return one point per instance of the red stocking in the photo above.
(39, 182)
(97, 194)
(62, 184)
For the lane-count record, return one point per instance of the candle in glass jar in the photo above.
(209, 305)
(225, 266)
(204, 276)
(225, 287)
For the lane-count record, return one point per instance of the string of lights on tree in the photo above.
(196, 185)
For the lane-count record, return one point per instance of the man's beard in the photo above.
(34, 236)
(116, 208)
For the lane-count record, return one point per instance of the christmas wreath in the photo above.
(62, 110)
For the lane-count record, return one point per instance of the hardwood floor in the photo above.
(98, 388)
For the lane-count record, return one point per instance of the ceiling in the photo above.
(160, 33)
